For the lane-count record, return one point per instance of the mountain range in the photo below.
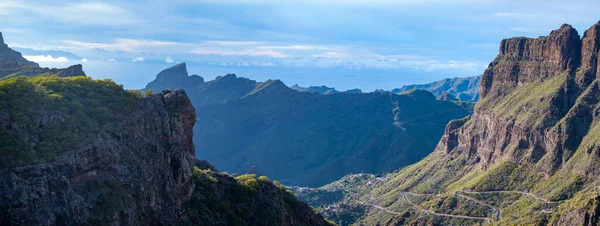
(307, 138)
(463, 89)
(528, 155)
(322, 89)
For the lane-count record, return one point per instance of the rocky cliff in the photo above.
(134, 167)
(75, 151)
(528, 154)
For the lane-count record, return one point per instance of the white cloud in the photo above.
(296, 47)
(266, 53)
(111, 60)
(232, 43)
(121, 44)
(332, 54)
(46, 59)
(169, 60)
(532, 30)
(84, 60)
(138, 59)
(85, 13)
(513, 15)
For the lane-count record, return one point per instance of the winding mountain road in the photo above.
(498, 210)
(507, 192)
(442, 214)
(458, 193)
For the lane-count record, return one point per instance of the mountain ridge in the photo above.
(292, 130)
(12, 64)
(461, 88)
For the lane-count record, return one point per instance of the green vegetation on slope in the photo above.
(221, 200)
(81, 105)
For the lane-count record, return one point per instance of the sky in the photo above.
(377, 44)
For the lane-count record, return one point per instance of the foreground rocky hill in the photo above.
(463, 89)
(527, 156)
(12, 63)
(77, 151)
(304, 138)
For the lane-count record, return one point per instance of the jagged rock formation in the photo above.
(463, 89)
(12, 63)
(535, 130)
(122, 159)
(175, 77)
(303, 138)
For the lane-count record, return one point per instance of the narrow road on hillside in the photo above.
(416, 207)
(498, 210)
(506, 192)
(458, 193)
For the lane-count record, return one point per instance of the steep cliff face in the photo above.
(74, 151)
(524, 60)
(134, 169)
(534, 131)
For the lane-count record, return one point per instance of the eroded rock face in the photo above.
(137, 171)
(589, 55)
(523, 60)
(496, 132)
(540, 109)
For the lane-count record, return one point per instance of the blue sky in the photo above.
(378, 44)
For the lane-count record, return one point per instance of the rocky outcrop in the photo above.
(589, 56)
(75, 70)
(175, 77)
(136, 171)
(523, 60)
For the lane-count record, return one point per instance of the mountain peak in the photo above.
(1, 39)
(176, 71)
(270, 86)
(175, 77)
